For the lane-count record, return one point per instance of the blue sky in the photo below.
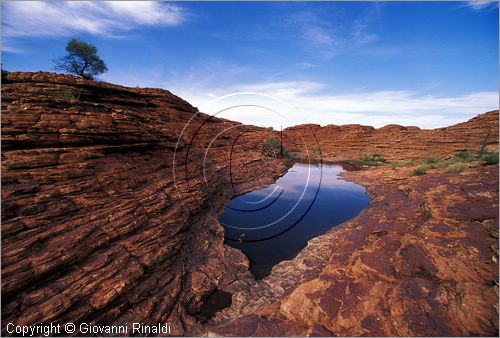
(429, 64)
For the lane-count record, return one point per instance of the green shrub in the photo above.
(374, 159)
(404, 163)
(432, 160)
(457, 168)
(465, 156)
(419, 171)
(272, 148)
(374, 156)
(67, 95)
(490, 158)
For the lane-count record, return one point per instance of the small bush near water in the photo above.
(373, 159)
(272, 148)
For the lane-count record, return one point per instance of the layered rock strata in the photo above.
(109, 214)
(110, 199)
(348, 142)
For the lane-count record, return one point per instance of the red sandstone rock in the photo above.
(395, 142)
(109, 216)
(94, 226)
(418, 261)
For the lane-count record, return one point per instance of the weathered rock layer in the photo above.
(337, 143)
(110, 199)
(108, 212)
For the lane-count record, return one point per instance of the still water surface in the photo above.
(273, 224)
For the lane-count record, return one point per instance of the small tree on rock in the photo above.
(273, 148)
(82, 60)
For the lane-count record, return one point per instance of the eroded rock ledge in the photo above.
(106, 215)
(109, 215)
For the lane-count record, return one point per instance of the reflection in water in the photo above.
(273, 224)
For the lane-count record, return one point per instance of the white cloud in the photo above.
(7, 46)
(306, 65)
(301, 102)
(322, 40)
(327, 35)
(63, 18)
(361, 34)
(317, 34)
(285, 89)
(480, 4)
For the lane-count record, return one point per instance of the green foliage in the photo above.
(272, 148)
(161, 258)
(373, 159)
(456, 164)
(82, 60)
(490, 158)
(431, 160)
(404, 163)
(465, 156)
(457, 168)
(374, 156)
(67, 95)
(419, 171)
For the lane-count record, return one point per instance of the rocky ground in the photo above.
(110, 198)
(421, 260)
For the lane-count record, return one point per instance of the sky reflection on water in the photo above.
(276, 222)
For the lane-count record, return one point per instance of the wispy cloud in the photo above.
(306, 65)
(330, 37)
(361, 34)
(63, 18)
(284, 89)
(7, 46)
(317, 34)
(481, 4)
(309, 102)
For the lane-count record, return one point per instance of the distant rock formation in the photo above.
(393, 141)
